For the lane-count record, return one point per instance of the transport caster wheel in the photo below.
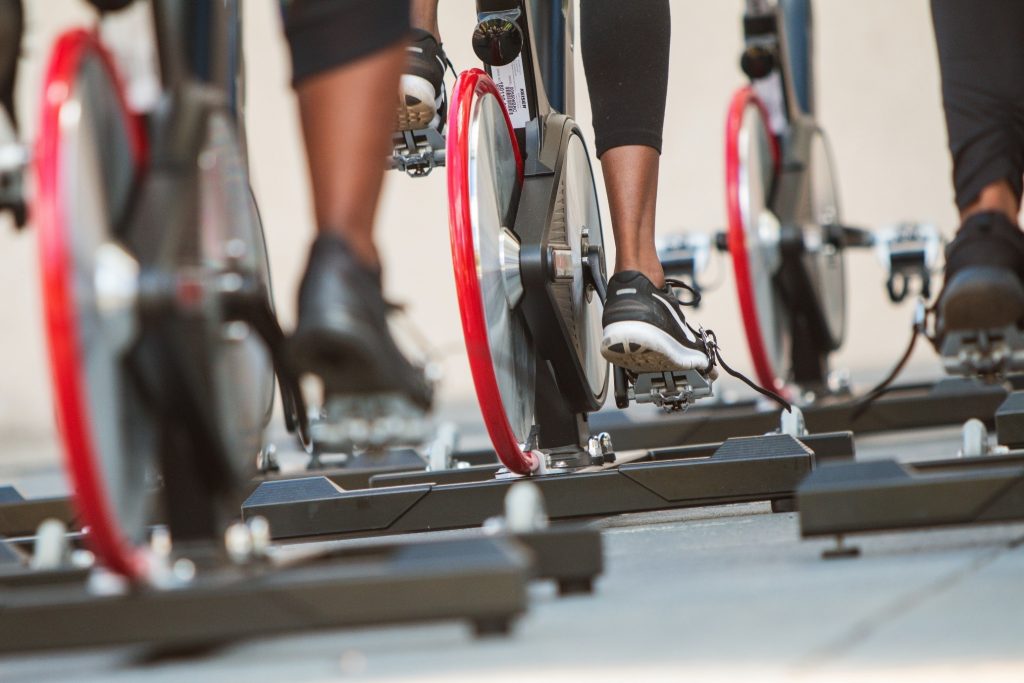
(52, 550)
(493, 627)
(524, 508)
(576, 586)
(973, 439)
(485, 175)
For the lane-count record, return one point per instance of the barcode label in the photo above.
(511, 84)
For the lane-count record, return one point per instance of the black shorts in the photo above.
(981, 55)
(326, 34)
(625, 54)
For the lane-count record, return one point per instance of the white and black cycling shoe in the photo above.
(645, 329)
(422, 100)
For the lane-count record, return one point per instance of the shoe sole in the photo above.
(982, 298)
(417, 107)
(642, 347)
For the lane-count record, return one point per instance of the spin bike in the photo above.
(156, 285)
(786, 237)
(528, 247)
(163, 350)
(788, 244)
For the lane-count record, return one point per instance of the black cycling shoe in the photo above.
(342, 335)
(984, 273)
(422, 100)
(645, 329)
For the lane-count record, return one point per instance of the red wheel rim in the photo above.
(470, 86)
(105, 535)
(764, 368)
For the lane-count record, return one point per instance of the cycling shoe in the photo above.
(342, 335)
(984, 273)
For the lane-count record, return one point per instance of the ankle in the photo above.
(998, 198)
(360, 247)
(652, 270)
(655, 273)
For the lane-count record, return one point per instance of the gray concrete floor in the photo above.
(705, 594)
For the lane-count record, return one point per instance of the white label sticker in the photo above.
(511, 82)
(769, 90)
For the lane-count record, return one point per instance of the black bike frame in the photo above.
(766, 60)
(546, 59)
(201, 41)
(765, 29)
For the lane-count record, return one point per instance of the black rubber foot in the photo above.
(844, 552)
(784, 505)
(576, 586)
(492, 627)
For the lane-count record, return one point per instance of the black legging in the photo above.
(326, 34)
(625, 55)
(981, 56)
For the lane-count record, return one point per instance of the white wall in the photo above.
(878, 97)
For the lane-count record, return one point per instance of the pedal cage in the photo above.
(909, 252)
(672, 391)
(368, 422)
(417, 152)
(992, 353)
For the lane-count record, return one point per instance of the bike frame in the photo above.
(201, 40)
(771, 27)
(539, 97)
(546, 62)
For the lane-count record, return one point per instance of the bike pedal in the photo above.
(417, 152)
(910, 253)
(672, 391)
(983, 353)
(369, 422)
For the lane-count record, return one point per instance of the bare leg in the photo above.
(347, 139)
(999, 197)
(631, 178)
(423, 15)
(625, 50)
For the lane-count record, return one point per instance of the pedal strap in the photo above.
(715, 354)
